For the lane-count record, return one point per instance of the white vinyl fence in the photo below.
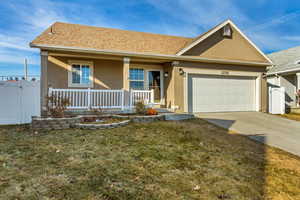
(19, 101)
(276, 100)
(107, 99)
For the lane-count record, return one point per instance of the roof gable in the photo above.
(254, 53)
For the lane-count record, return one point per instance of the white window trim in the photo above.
(137, 80)
(91, 77)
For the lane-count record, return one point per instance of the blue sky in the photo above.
(272, 24)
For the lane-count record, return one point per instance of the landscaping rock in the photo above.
(142, 119)
(40, 123)
(101, 126)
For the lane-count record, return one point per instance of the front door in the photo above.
(155, 83)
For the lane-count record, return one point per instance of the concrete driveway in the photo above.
(269, 129)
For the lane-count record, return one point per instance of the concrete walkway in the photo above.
(269, 129)
(178, 116)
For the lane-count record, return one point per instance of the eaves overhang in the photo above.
(167, 58)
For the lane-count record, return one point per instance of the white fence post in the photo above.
(89, 98)
(152, 96)
(130, 98)
(50, 91)
(122, 99)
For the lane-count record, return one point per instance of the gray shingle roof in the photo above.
(285, 60)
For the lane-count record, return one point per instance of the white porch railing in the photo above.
(91, 98)
(141, 95)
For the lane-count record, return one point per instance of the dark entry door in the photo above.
(154, 82)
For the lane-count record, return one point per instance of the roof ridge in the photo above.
(119, 29)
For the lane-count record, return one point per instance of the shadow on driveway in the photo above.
(269, 129)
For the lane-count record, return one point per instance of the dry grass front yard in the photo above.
(165, 160)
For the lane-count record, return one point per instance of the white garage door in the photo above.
(213, 93)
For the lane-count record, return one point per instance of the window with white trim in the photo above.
(136, 78)
(81, 74)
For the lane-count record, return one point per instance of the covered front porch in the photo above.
(93, 81)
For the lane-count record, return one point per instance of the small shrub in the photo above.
(97, 111)
(151, 111)
(56, 105)
(89, 119)
(140, 108)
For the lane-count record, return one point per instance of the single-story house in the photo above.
(220, 70)
(286, 73)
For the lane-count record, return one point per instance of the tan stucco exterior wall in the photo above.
(108, 74)
(264, 95)
(180, 94)
(169, 88)
(234, 48)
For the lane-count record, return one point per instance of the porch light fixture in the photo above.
(166, 74)
(181, 72)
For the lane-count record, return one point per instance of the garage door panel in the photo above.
(213, 93)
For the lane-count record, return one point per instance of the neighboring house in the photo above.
(220, 70)
(286, 73)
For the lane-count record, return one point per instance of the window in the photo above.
(81, 74)
(136, 77)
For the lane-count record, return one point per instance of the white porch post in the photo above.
(126, 63)
(152, 96)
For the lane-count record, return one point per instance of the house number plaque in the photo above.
(225, 72)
